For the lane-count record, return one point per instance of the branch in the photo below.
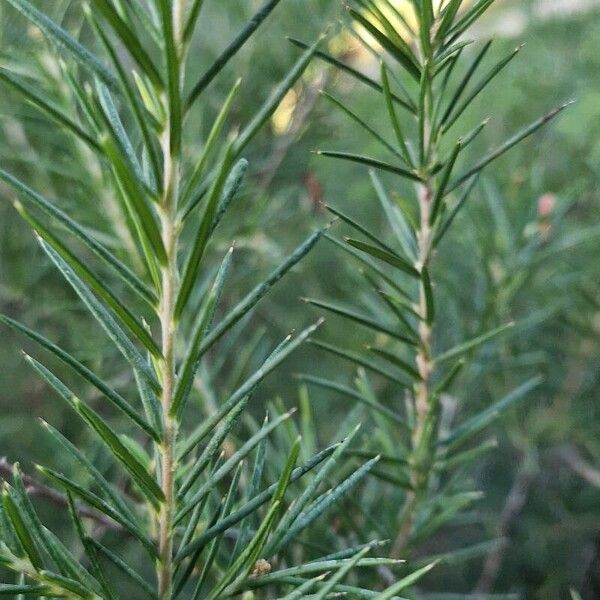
(585, 470)
(514, 504)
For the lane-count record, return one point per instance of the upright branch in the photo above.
(427, 82)
(168, 323)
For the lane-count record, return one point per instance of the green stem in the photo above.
(420, 471)
(169, 331)
(169, 283)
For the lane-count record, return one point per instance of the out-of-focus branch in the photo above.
(577, 463)
(515, 501)
(39, 490)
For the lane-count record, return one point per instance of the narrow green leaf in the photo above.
(424, 110)
(90, 551)
(99, 504)
(340, 574)
(14, 590)
(389, 103)
(92, 280)
(461, 87)
(270, 106)
(428, 292)
(443, 183)
(122, 566)
(354, 73)
(443, 229)
(483, 419)
(203, 235)
(210, 144)
(370, 162)
(361, 319)
(351, 393)
(84, 372)
(450, 12)
(395, 360)
(232, 187)
(133, 466)
(193, 16)
(250, 507)
(125, 274)
(374, 238)
(47, 106)
(252, 298)
(364, 259)
(405, 582)
(479, 87)
(359, 360)
(64, 41)
(115, 333)
(301, 592)
(392, 259)
(231, 50)
(467, 346)
(190, 365)
(399, 224)
(513, 141)
(137, 197)
(448, 380)
(111, 495)
(67, 587)
(21, 529)
(172, 60)
(130, 41)
(364, 125)
(399, 306)
(106, 108)
(402, 53)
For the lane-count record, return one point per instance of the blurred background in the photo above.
(541, 485)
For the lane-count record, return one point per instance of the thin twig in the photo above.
(515, 501)
(578, 464)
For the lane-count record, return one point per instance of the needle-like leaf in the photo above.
(64, 41)
(231, 50)
(370, 162)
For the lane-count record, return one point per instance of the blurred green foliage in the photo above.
(494, 271)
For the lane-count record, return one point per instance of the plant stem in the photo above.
(169, 283)
(419, 472)
(168, 331)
